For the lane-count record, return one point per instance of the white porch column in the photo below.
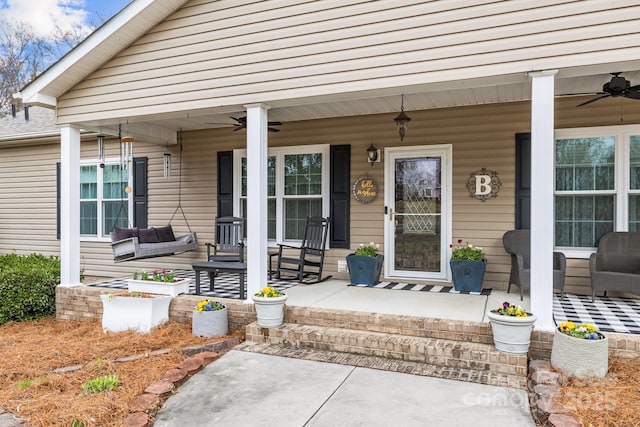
(256, 198)
(542, 205)
(69, 206)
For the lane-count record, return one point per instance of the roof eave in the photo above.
(107, 41)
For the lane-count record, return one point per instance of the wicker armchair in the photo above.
(518, 244)
(616, 264)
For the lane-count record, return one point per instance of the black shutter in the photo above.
(140, 192)
(340, 166)
(225, 183)
(58, 200)
(523, 181)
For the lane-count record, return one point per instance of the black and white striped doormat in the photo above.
(608, 314)
(422, 288)
(226, 284)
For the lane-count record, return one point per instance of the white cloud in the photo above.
(45, 16)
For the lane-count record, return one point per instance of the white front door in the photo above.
(417, 212)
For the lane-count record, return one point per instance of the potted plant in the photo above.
(134, 310)
(511, 326)
(269, 303)
(580, 350)
(365, 264)
(467, 267)
(210, 319)
(158, 282)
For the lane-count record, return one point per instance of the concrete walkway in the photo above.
(244, 389)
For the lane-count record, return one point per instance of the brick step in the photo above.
(465, 361)
(414, 326)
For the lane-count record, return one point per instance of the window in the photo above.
(597, 185)
(297, 188)
(104, 202)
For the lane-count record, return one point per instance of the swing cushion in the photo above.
(165, 234)
(120, 233)
(148, 235)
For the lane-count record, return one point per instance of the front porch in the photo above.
(609, 314)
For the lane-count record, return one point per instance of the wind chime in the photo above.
(126, 154)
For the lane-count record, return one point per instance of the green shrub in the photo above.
(28, 286)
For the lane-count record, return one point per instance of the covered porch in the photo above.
(164, 71)
(609, 314)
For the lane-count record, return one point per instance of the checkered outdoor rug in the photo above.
(422, 288)
(226, 284)
(608, 314)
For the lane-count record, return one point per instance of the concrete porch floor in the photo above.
(335, 294)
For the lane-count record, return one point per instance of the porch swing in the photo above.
(129, 244)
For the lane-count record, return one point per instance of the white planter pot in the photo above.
(210, 323)
(120, 313)
(511, 334)
(270, 311)
(579, 358)
(176, 288)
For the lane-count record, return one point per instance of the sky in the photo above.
(45, 15)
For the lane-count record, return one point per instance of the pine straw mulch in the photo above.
(613, 401)
(31, 351)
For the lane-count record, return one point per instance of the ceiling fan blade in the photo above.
(270, 129)
(632, 95)
(593, 100)
(275, 123)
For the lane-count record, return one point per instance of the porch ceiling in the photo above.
(497, 89)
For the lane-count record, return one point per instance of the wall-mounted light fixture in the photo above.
(373, 154)
(402, 120)
(101, 149)
(167, 166)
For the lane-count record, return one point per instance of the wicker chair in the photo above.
(616, 264)
(518, 244)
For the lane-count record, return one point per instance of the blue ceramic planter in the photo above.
(364, 269)
(468, 275)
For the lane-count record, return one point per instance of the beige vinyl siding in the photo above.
(213, 53)
(481, 136)
(28, 199)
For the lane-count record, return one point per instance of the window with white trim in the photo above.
(597, 185)
(297, 188)
(104, 202)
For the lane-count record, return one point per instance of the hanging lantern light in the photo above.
(402, 120)
(167, 166)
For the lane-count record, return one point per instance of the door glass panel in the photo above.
(417, 214)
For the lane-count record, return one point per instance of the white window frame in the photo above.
(621, 191)
(279, 153)
(100, 237)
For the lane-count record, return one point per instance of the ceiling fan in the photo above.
(241, 123)
(617, 86)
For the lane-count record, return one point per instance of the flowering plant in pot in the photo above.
(511, 326)
(580, 350)
(159, 281)
(156, 276)
(209, 319)
(365, 264)
(467, 267)
(269, 303)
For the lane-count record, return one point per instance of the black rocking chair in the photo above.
(310, 258)
(229, 246)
